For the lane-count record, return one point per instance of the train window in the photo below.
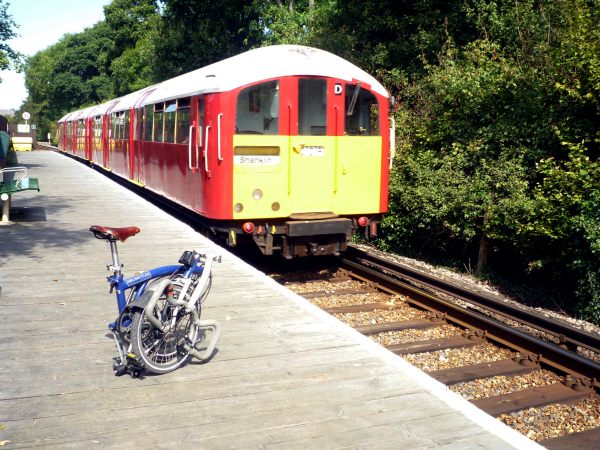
(115, 120)
(120, 124)
(115, 126)
(169, 114)
(362, 112)
(125, 122)
(258, 109)
(81, 134)
(97, 131)
(97, 127)
(201, 112)
(312, 107)
(183, 121)
(148, 122)
(158, 122)
(201, 121)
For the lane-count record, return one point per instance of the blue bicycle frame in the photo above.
(122, 284)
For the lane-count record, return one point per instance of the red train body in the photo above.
(288, 146)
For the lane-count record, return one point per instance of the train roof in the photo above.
(246, 68)
(262, 64)
(131, 100)
(66, 117)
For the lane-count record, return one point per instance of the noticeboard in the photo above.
(23, 128)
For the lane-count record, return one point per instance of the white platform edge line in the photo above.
(439, 390)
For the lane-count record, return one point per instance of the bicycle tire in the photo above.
(163, 352)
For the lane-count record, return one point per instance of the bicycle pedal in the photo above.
(133, 361)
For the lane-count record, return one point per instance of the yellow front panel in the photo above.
(358, 175)
(267, 173)
(310, 174)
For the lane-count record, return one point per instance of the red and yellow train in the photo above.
(286, 145)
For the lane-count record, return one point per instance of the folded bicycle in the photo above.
(159, 327)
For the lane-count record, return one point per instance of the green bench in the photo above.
(19, 183)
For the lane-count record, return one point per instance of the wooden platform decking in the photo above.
(286, 375)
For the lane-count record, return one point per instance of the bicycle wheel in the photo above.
(163, 352)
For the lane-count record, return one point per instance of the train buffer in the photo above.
(15, 179)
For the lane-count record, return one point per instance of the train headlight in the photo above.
(257, 194)
(238, 207)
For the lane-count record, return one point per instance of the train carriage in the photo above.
(286, 146)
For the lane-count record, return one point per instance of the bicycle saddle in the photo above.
(113, 234)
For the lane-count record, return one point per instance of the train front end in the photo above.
(311, 158)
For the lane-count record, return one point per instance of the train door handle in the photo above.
(199, 134)
(392, 141)
(190, 165)
(219, 157)
(206, 150)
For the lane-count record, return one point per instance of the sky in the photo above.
(42, 23)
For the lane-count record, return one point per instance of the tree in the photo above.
(291, 22)
(8, 56)
(134, 30)
(195, 33)
(69, 74)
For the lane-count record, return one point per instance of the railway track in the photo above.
(537, 375)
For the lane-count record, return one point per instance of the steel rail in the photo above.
(565, 361)
(568, 335)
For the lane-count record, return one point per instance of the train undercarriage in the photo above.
(294, 237)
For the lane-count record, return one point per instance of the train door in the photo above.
(197, 163)
(131, 147)
(105, 140)
(97, 147)
(89, 137)
(75, 137)
(360, 151)
(136, 136)
(107, 136)
(67, 138)
(312, 153)
(141, 132)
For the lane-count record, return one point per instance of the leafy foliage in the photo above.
(195, 33)
(512, 115)
(69, 74)
(134, 26)
(8, 56)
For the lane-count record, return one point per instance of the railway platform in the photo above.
(286, 375)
